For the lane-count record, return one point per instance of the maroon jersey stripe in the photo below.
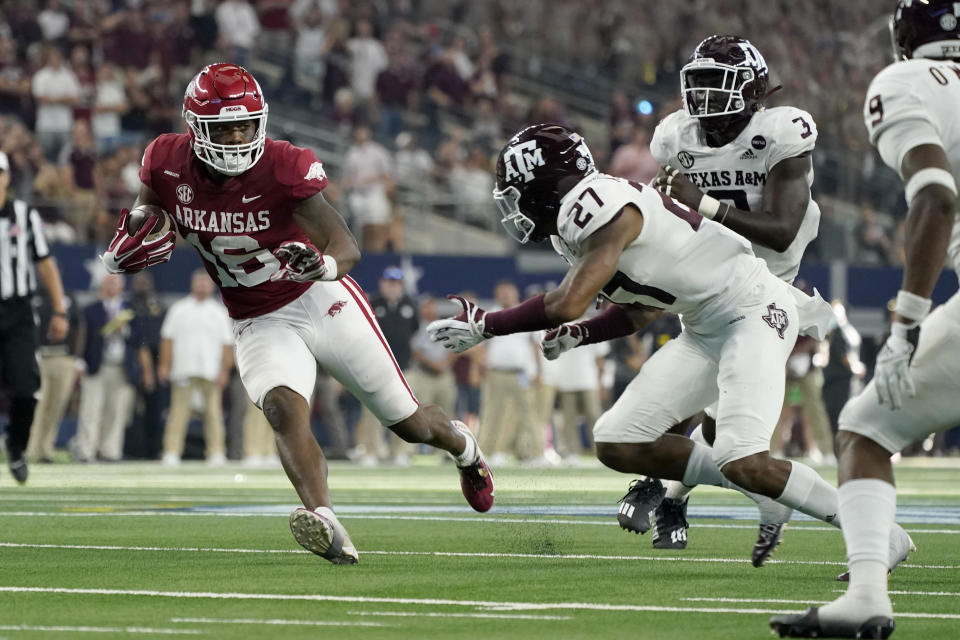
(350, 284)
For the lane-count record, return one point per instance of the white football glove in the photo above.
(892, 372)
(462, 331)
(561, 339)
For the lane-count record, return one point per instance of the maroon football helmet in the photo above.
(224, 92)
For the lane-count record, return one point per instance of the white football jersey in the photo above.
(916, 102)
(737, 172)
(680, 262)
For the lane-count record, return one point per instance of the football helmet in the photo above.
(221, 93)
(535, 170)
(927, 29)
(725, 81)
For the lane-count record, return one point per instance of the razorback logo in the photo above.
(336, 307)
(315, 172)
(777, 319)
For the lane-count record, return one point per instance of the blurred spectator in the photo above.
(54, 22)
(81, 174)
(874, 243)
(344, 112)
(394, 87)
(367, 59)
(412, 166)
(474, 183)
(336, 59)
(259, 444)
(196, 356)
(843, 366)
(431, 377)
(14, 80)
(58, 373)
(308, 48)
(398, 318)
(508, 424)
(151, 401)
(368, 180)
(109, 105)
(105, 394)
(239, 26)
(56, 91)
(577, 382)
(335, 437)
(804, 427)
(86, 80)
(633, 160)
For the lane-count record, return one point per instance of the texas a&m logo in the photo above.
(522, 159)
(776, 318)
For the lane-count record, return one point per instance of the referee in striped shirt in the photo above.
(24, 258)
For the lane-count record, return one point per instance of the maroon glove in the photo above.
(129, 254)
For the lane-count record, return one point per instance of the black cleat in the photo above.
(643, 497)
(17, 463)
(808, 625)
(670, 524)
(768, 539)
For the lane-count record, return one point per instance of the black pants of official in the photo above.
(19, 369)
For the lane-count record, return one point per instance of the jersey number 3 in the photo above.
(240, 261)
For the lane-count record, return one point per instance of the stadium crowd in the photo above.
(421, 94)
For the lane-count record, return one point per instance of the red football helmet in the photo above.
(224, 92)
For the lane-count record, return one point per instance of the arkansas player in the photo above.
(280, 255)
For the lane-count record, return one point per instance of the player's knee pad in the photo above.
(729, 448)
(611, 427)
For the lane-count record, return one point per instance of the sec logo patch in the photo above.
(686, 160)
(185, 194)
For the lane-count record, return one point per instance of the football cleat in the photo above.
(768, 539)
(476, 479)
(17, 464)
(670, 524)
(321, 533)
(643, 497)
(808, 625)
(901, 546)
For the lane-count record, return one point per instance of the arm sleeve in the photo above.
(895, 141)
(597, 204)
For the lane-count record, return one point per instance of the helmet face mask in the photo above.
(725, 80)
(535, 170)
(223, 94)
(928, 29)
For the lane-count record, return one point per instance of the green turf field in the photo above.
(136, 550)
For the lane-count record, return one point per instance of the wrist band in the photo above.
(910, 305)
(726, 210)
(708, 207)
(330, 268)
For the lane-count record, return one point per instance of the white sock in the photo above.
(868, 507)
(808, 493)
(701, 469)
(677, 490)
(470, 452)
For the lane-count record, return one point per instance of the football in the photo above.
(140, 214)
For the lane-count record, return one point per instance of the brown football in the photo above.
(141, 213)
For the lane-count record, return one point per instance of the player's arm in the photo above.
(929, 220)
(785, 199)
(577, 291)
(931, 192)
(327, 231)
(616, 321)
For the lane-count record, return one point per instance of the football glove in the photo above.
(561, 339)
(301, 262)
(129, 254)
(892, 372)
(462, 331)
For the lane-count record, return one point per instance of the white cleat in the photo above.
(901, 546)
(321, 533)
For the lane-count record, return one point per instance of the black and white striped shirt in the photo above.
(22, 243)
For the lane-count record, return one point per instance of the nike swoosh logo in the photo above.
(245, 199)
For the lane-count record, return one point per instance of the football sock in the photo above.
(867, 507)
(808, 493)
(701, 469)
(469, 454)
(677, 490)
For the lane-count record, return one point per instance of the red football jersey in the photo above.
(236, 225)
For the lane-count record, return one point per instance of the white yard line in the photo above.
(487, 605)
(132, 630)
(280, 622)
(433, 614)
(445, 554)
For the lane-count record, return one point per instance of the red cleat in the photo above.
(476, 479)
(476, 482)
